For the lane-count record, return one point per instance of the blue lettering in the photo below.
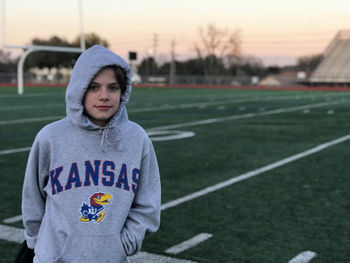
(54, 174)
(135, 179)
(110, 174)
(123, 178)
(90, 172)
(73, 177)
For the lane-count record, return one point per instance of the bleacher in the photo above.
(335, 66)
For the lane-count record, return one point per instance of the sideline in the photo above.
(253, 173)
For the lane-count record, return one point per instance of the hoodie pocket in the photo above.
(92, 248)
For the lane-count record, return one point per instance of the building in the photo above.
(334, 68)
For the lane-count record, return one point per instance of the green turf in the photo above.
(269, 218)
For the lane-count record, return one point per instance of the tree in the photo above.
(7, 63)
(309, 63)
(148, 66)
(217, 45)
(90, 40)
(50, 59)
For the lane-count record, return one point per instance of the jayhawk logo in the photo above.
(94, 211)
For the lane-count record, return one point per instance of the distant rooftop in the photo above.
(335, 66)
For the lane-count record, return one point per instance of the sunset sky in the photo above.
(275, 31)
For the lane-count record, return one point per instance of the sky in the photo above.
(275, 31)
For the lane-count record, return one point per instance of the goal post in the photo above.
(28, 49)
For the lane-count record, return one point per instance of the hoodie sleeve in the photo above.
(144, 214)
(33, 195)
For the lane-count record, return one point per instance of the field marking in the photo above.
(42, 94)
(37, 119)
(164, 107)
(17, 150)
(211, 103)
(303, 257)
(12, 220)
(253, 173)
(244, 116)
(27, 107)
(169, 135)
(170, 107)
(16, 235)
(167, 107)
(142, 257)
(215, 120)
(194, 241)
(12, 234)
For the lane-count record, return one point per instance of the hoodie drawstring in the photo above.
(111, 136)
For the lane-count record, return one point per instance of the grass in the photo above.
(269, 218)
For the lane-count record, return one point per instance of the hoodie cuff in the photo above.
(31, 241)
(129, 242)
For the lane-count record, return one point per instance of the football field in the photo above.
(247, 175)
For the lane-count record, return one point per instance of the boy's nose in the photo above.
(103, 93)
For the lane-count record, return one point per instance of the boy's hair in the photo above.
(120, 75)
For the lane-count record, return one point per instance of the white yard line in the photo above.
(194, 241)
(205, 104)
(253, 173)
(183, 106)
(163, 107)
(169, 107)
(12, 220)
(43, 94)
(303, 257)
(28, 120)
(27, 107)
(17, 150)
(244, 116)
(143, 257)
(215, 120)
(12, 234)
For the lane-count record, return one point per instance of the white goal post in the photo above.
(32, 48)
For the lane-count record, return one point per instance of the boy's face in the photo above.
(102, 97)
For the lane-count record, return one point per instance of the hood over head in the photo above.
(89, 63)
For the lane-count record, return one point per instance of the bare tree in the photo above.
(217, 48)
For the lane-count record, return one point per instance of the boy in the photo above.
(92, 186)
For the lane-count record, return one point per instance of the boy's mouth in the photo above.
(102, 107)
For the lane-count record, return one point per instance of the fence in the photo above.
(151, 79)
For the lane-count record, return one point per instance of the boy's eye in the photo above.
(93, 87)
(114, 87)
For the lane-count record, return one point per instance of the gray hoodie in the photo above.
(90, 193)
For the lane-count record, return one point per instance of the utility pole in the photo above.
(172, 64)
